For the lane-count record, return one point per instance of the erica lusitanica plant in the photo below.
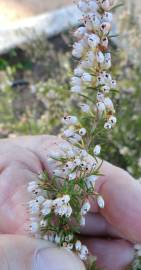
(60, 203)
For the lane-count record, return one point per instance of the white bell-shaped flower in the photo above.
(90, 181)
(112, 120)
(97, 150)
(105, 28)
(78, 245)
(109, 104)
(83, 6)
(100, 57)
(82, 221)
(72, 176)
(86, 77)
(82, 131)
(104, 42)
(107, 17)
(70, 120)
(80, 32)
(34, 227)
(107, 125)
(105, 89)
(93, 41)
(100, 107)
(105, 4)
(100, 202)
(85, 107)
(85, 208)
(78, 71)
(43, 223)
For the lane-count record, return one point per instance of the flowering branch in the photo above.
(60, 204)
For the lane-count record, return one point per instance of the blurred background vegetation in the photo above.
(34, 90)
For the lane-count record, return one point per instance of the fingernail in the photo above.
(48, 259)
(55, 259)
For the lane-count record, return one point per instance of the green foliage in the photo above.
(37, 109)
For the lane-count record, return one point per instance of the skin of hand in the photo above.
(109, 233)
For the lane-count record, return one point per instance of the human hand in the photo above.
(19, 165)
(120, 191)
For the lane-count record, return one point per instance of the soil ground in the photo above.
(15, 10)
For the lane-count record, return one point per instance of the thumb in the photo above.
(24, 253)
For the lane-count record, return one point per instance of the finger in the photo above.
(19, 252)
(122, 201)
(111, 254)
(10, 153)
(13, 199)
(42, 146)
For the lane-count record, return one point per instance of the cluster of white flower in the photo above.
(40, 207)
(80, 249)
(92, 47)
(75, 167)
(77, 162)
